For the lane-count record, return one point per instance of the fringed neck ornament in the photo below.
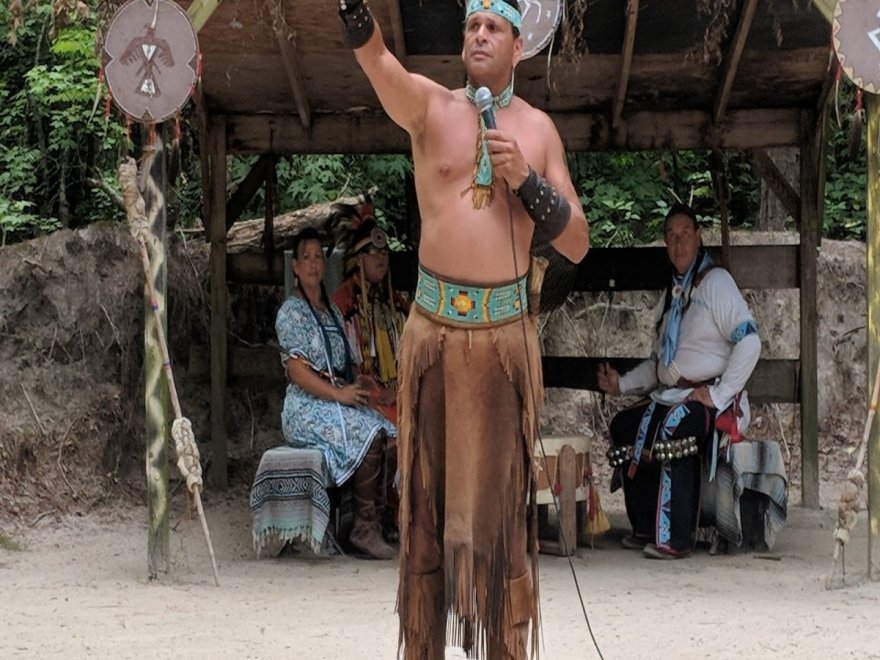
(483, 183)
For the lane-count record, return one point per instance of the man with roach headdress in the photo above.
(706, 347)
(373, 315)
(373, 312)
(469, 386)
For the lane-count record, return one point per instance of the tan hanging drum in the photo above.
(150, 59)
(540, 18)
(856, 37)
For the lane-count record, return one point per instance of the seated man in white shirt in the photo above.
(706, 347)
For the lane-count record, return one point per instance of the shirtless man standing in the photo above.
(470, 390)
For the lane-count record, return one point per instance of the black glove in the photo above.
(357, 22)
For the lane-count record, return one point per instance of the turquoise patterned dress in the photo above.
(342, 433)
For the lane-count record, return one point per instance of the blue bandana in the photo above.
(499, 7)
(681, 295)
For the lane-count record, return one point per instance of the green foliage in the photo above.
(846, 183)
(52, 137)
(627, 195)
(620, 193)
(16, 222)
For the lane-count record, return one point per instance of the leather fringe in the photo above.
(482, 614)
(421, 623)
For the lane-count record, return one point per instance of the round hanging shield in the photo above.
(540, 18)
(150, 59)
(856, 36)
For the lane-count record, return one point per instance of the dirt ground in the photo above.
(78, 589)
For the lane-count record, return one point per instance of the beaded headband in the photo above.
(499, 7)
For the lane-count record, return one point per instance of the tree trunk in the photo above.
(249, 235)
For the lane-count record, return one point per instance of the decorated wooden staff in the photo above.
(181, 430)
(156, 414)
(856, 40)
(150, 62)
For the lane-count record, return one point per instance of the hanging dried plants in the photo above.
(573, 45)
(720, 13)
(16, 11)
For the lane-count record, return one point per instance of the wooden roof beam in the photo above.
(626, 54)
(731, 62)
(397, 29)
(374, 133)
(290, 59)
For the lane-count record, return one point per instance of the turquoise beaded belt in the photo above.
(468, 304)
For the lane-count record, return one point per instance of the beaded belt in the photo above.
(467, 304)
(668, 450)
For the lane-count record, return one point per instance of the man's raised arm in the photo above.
(403, 95)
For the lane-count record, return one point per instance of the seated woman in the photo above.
(325, 408)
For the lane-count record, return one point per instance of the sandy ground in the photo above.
(78, 589)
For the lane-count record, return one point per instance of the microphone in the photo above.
(483, 101)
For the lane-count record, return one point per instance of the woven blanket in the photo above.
(288, 499)
(754, 465)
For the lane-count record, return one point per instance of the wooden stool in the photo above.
(289, 498)
(565, 474)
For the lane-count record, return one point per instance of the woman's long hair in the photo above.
(311, 234)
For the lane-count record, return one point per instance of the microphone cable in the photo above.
(538, 436)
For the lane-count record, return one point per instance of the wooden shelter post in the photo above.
(217, 237)
(872, 295)
(810, 223)
(722, 194)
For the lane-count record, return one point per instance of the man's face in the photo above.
(490, 50)
(682, 242)
(375, 264)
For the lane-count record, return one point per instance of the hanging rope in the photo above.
(851, 494)
(181, 429)
(187, 453)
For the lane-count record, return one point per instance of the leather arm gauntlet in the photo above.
(549, 210)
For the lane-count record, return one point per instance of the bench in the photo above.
(746, 504)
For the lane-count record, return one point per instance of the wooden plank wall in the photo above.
(623, 269)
